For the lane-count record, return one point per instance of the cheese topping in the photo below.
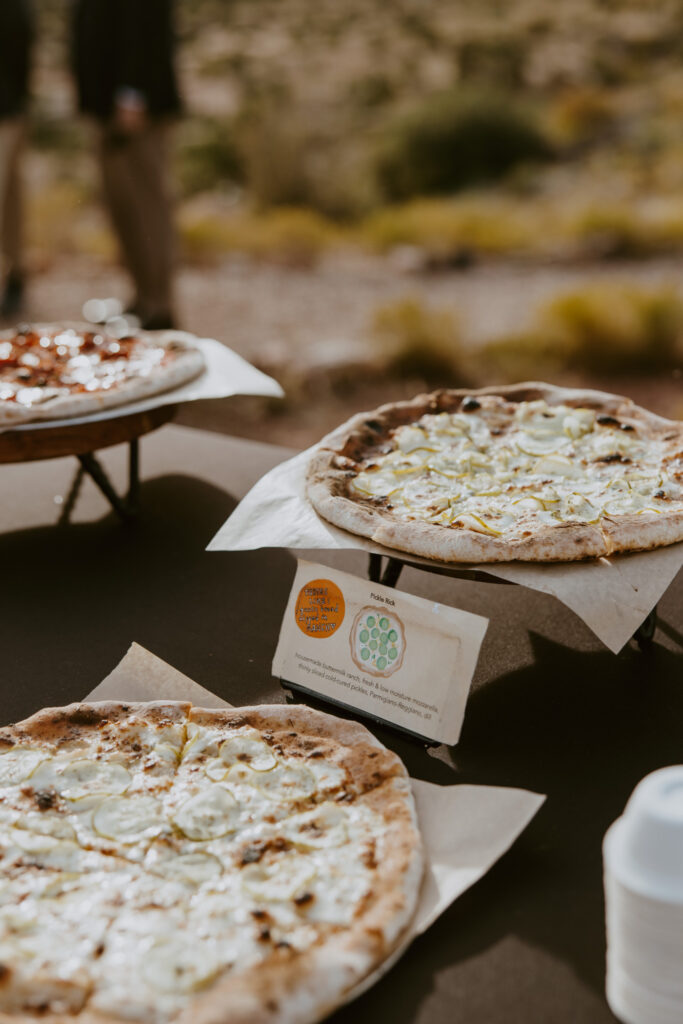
(483, 471)
(136, 873)
(36, 367)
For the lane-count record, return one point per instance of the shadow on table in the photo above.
(77, 595)
(583, 728)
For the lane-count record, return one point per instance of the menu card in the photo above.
(398, 658)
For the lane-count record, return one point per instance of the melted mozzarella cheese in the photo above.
(148, 873)
(553, 464)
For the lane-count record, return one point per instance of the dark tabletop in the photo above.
(551, 710)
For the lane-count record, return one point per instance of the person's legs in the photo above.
(120, 197)
(133, 175)
(158, 236)
(11, 215)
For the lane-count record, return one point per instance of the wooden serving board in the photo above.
(80, 439)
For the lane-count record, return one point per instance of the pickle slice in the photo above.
(209, 815)
(190, 868)
(287, 782)
(326, 826)
(128, 819)
(178, 965)
(46, 824)
(216, 769)
(19, 764)
(87, 778)
(247, 747)
(283, 879)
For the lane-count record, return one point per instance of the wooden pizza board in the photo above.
(80, 439)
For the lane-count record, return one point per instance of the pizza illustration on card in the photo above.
(378, 641)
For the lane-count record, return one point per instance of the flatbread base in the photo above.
(187, 364)
(290, 987)
(331, 470)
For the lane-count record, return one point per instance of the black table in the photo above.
(551, 710)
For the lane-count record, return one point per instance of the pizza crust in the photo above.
(290, 987)
(633, 533)
(333, 466)
(186, 363)
(307, 986)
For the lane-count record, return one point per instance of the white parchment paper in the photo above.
(465, 828)
(611, 595)
(226, 374)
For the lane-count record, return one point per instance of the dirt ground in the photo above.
(309, 328)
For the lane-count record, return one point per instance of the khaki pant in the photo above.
(11, 198)
(133, 171)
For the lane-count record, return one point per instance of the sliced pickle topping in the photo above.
(46, 824)
(492, 476)
(190, 868)
(209, 815)
(178, 965)
(32, 842)
(325, 826)
(128, 819)
(18, 764)
(89, 778)
(167, 753)
(247, 747)
(216, 769)
(282, 879)
(287, 782)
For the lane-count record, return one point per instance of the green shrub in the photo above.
(529, 355)
(207, 157)
(414, 340)
(617, 328)
(628, 231)
(372, 90)
(445, 227)
(581, 115)
(606, 329)
(55, 220)
(612, 232)
(499, 60)
(455, 140)
(287, 236)
(295, 237)
(65, 137)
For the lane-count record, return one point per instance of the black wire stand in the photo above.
(126, 507)
(84, 441)
(388, 575)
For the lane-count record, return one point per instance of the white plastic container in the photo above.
(643, 866)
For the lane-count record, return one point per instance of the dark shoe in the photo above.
(12, 301)
(160, 322)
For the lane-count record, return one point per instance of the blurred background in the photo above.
(378, 195)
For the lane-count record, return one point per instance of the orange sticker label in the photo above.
(320, 609)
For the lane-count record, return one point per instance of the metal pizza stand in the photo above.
(225, 374)
(389, 575)
(83, 440)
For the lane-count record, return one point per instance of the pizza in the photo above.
(377, 641)
(165, 863)
(530, 472)
(50, 372)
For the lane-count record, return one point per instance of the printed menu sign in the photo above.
(379, 651)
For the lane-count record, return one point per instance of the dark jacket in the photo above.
(16, 32)
(124, 44)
